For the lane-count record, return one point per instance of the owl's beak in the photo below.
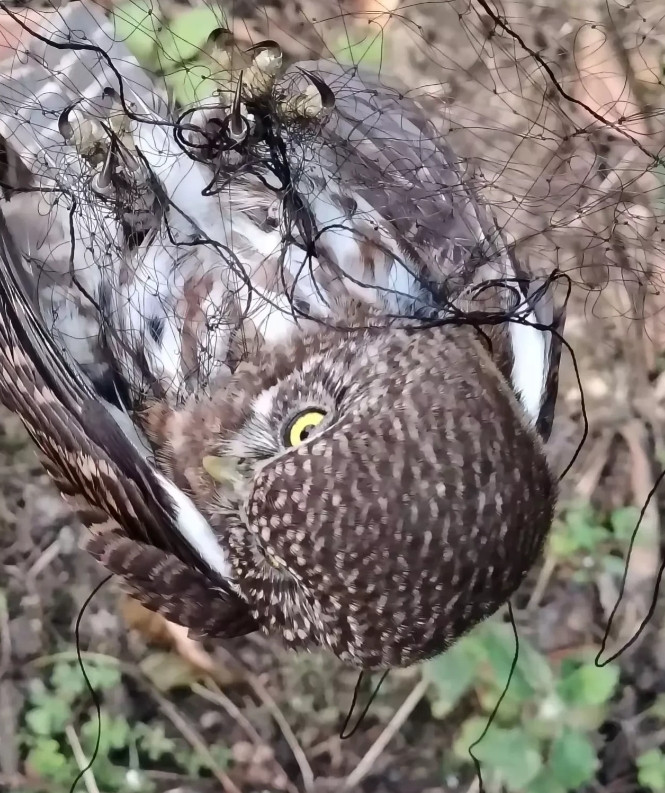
(223, 470)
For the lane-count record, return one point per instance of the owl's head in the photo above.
(378, 492)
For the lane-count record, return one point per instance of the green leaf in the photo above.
(193, 763)
(651, 770)
(103, 677)
(191, 83)
(623, 522)
(138, 26)
(114, 732)
(573, 760)
(366, 47)
(532, 673)
(589, 685)
(511, 755)
(67, 680)
(614, 565)
(154, 741)
(46, 760)
(579, 531)
(543, 783)
(49, 718)
(451, 675)
(183, 39)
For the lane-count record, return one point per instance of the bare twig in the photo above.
(191, 735)
(81, 760)
(213, 693)
(45, 558)
(262, 693)
(9, 746)
(544, 576)
(289, 736)
(5, 637)
(391, 729)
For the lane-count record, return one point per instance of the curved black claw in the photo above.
(266, 44)
(65, 127)
(220, 37)
(102, 183)
(237, 125)
(325, 91)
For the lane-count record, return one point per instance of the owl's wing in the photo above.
(145, 529)
(110, 211)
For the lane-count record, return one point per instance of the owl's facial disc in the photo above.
(290, 412)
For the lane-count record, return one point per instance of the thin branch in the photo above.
(191, 735)
(262, 693)
(81, 760)
(544, 577)
(5, 637)
(392, 728)
(289, 736)
(213, 693)
(169, 710)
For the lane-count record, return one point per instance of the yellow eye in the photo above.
(300, 428)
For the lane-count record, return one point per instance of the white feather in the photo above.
(189, 521)
(529, 372)
(197, 531)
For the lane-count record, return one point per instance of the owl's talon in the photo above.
(316, 101)
(102, 183)
(237, 128)
(218, 49)
(65, 126)
(266, 63)
(219, 37)
(326, 94)
(268, 58)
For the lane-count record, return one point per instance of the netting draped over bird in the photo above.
(241, 335)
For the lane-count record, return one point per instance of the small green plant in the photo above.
(651, 770)
(61, 722)
(589, 544)
(540, 739)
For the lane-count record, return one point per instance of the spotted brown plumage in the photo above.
(239, 334)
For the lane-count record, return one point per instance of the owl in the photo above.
(272, 346)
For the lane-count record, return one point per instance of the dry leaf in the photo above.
(157, 630)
